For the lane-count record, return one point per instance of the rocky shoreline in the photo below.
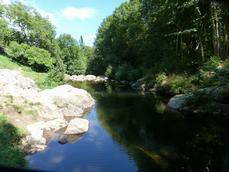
(42, 112)
(85, 78)
(215, 99)
(212, 100)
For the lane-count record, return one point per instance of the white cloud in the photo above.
(72, 13)
(6, 2)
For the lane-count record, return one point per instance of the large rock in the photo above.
(13, 83)
(139, 85)
(53, 103)
(219, 94)
(38, 133)
(51, 107)
(212, 100)
(66, 100)
(77, 126)
(178, 102)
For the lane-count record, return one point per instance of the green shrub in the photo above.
(37, 58)
(160, 78)
(17, 51)
(181, 84)
(127, 72)
(55, 75)
(109, 71)
(212, 64)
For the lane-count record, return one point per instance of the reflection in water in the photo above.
(132, 132)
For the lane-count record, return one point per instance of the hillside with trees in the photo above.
(153, 39)
(30, 39)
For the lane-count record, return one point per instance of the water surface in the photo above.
(133, 132)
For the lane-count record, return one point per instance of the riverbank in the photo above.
(38, 113)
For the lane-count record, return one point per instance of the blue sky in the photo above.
(75, 17)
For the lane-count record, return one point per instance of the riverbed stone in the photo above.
(85, 78)
(77, 126)
(67, 100)
(178, 102)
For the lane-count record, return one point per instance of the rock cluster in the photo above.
(83, 78)
(212, 100)
(53, 107)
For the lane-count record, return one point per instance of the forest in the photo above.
(177, 41)
(30, 39)
(155, 39)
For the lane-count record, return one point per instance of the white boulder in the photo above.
(66, 100)
(77, 126)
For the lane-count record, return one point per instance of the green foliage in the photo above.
(180, 84)
(215, 72)
(154, 36)
(39, 59)
(126, 72)
(5, 32)
(10, 153)
(120, 73)
(109, 71)
(30, 40)
(226, 64)
(213, 63)
(176, 84)
(75, 57)
(160, 78)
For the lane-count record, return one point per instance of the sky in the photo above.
(75, 17)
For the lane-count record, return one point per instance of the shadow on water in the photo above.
(163, 141)
(135, 133)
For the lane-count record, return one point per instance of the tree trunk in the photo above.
(215, 27)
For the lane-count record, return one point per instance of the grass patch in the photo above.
(39, 78)
(11, 154)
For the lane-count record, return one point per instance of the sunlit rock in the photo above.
(67, 100)
(178, 102)
(77, 126)
(84, 78)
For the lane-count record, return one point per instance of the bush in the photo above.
(17, 51)
(55, 75)
(109, 71)
(215, 72)
(37, 58)
(160, 78)
(181, 84)
(127, 72)
(176, 84)
(212, 64)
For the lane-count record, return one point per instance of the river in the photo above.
(134, 132)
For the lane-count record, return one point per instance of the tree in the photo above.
(152, 36)
(72, 55)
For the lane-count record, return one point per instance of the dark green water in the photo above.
(133, 132)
